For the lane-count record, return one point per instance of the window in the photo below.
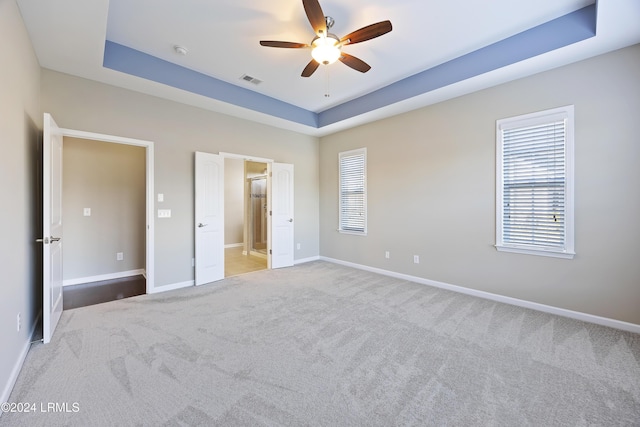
(534, 206)
(353, 191)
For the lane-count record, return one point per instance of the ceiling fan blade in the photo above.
(367, 33)
(310, 68)
(355, 63)
(316, 16)
(291, 45)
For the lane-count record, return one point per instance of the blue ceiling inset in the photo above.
(564, 31)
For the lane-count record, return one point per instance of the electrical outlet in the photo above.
(387, 255)
(119, 256)
(86, 212)
(416, 259)
(19, 322)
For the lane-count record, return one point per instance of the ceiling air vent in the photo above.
(250, 79)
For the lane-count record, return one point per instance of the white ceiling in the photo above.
(222, 39)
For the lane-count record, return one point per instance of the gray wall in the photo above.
(431, 178)
(178, 131)
(110, 179)
(20, 124)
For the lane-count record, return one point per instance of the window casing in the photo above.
(534, 183)
(353, 191)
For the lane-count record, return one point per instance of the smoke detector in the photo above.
(180, 50)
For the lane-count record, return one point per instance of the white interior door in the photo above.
(52, 227)
(209, 218)
(281, 208)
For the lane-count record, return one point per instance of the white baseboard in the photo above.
(305, 260)
(258, 254)
(8, 388)
(110, 276)
(172, 287)
(233, 245)
(603, 321)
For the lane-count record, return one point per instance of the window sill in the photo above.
(355, 233)
(538, 252)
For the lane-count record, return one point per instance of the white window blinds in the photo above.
(534, 183)
(353, 191)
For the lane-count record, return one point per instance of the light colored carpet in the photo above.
(327, 345)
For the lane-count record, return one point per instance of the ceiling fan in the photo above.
(326, 47)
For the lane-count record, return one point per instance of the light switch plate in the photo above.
(160, 197)
(87, 212)
(164, 213)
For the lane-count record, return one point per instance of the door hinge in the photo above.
(270, 252)
(270, 213)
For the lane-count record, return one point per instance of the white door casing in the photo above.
(149, 164)
(52, 227)
(209, 218)
(282, 221)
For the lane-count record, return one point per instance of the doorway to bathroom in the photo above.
(246, 221)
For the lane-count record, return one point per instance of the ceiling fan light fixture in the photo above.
(326, 50)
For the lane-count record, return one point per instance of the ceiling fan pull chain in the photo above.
(326, 91)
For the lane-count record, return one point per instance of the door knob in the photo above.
(290, 219)
(54, 239)
(202, 225)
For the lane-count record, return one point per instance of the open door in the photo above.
(209, 218)
(281, 208)
(52, 227)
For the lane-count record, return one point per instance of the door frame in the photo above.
(149, 159)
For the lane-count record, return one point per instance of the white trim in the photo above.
(245, 157)
(530, 251)
(305, 260)
(13, 377)
(603, 321)
(172, 287)
(566, 113)
(258, 254)
(101, 277)
(80, 134)
(150, 248)
(355, 233)
(234, 245)
(150, 179)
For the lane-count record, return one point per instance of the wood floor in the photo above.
(104, 291)
(110, 290)
(236, 263)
